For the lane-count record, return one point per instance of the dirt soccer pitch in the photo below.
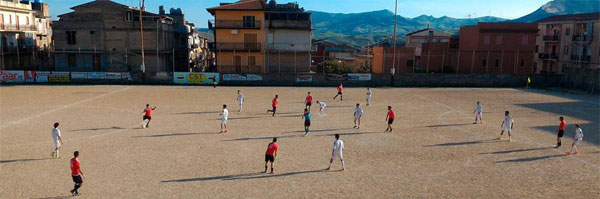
(434, 151)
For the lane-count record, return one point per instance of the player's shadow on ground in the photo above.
(245, 176)
(58, 197)
(340, 106)
(173, 135)
(315, 131)
(464, 143)
(517, 150)
(239, 118)
(98, 129)
(447, 125)
(530, 159)
(351, 134)
(198, 113)
(22, 160)
(260, 138)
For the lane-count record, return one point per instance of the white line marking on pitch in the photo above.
(62, 107)
(528, 139)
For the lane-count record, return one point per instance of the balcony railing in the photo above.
(582, 38)
(233, 24)
(290, 24)
(582, 58)
(18, 28)
(551, 37)
(548, 56)
(290, 47)
(230, 46)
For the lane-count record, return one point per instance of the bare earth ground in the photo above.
(434, 151)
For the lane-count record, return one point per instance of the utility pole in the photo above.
(394, 36)
(142, 38)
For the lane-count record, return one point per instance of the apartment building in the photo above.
(497, 48)
(568, 41)
(25, 34)
(253, 36)
(425, 36)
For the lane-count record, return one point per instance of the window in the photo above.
(525, 40)
(1, 21)
(537, 48)
(497, 63)
(17, 21)
(431, 33)
(249, 22)
(72, 60)
(566, 49)
(71, 37)
(486, 40)
(484, 63)
(522, 63)
(409, 63)
(128, 16)
(568, 31)
(26, 20)
(499, 40)
(92, 32)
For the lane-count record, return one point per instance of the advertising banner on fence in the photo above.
(95, 75)
(109, 75)
(336, 77)
(79, 75)
(41, 76)
(11, 76)
(195, 78)
(359, 76)
(234, 77)
(29, 76)
(252, 77)
(126, 76)
(59, 77)
(304, 78)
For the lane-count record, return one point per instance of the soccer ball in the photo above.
(52, 154)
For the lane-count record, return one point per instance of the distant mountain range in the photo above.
(358, 29)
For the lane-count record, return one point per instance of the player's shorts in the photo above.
(306, 122)
(77, 179)
(478, 114)
(308, 103)
(56, 143)
(339, 93)
(269, 158)
(576, 141)
(223, 121)
(390, 121)
(506, 128)
(561, 133)
(147, 117)
(337, 154)
(274, 109)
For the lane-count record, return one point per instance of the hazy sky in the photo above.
(195, 10)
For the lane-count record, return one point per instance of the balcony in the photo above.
(289, 47)
(551, 38)
(581, 58)
(290, 24)
(233, 24)
(547, 56)
(242, 47)
(582, 38)
(15, 28)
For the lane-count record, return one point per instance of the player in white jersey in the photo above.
(224, 115)
(578, 137)
(369, 93)
(358, 111)
(338, 147)
(240, 100)
(322, 106)
(507, 125)
(57, 141)
(478, 112)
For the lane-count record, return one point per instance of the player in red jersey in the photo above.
(148, 115)
(76, 174)
(308, 101)
(390, 118)
(274, 103)
(271, 153)
(339, 89)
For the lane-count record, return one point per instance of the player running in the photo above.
(306, 117)
(369, 94)
(271, 153)
(339, 89)
(322, 106)
(57, 141)
(507, 125)
(274, 103)
(76, 174)
(240, 100)
(338, 147)
(308, 101)
(224, 115)
(478, 112)
(390, 119)
(148, 115)
(578, 137)
(561, 131)
(358, 111)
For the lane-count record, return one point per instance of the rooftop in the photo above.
(574, 17)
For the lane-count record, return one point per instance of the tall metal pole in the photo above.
(142, 38)
(157, 58)
(394, 37)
